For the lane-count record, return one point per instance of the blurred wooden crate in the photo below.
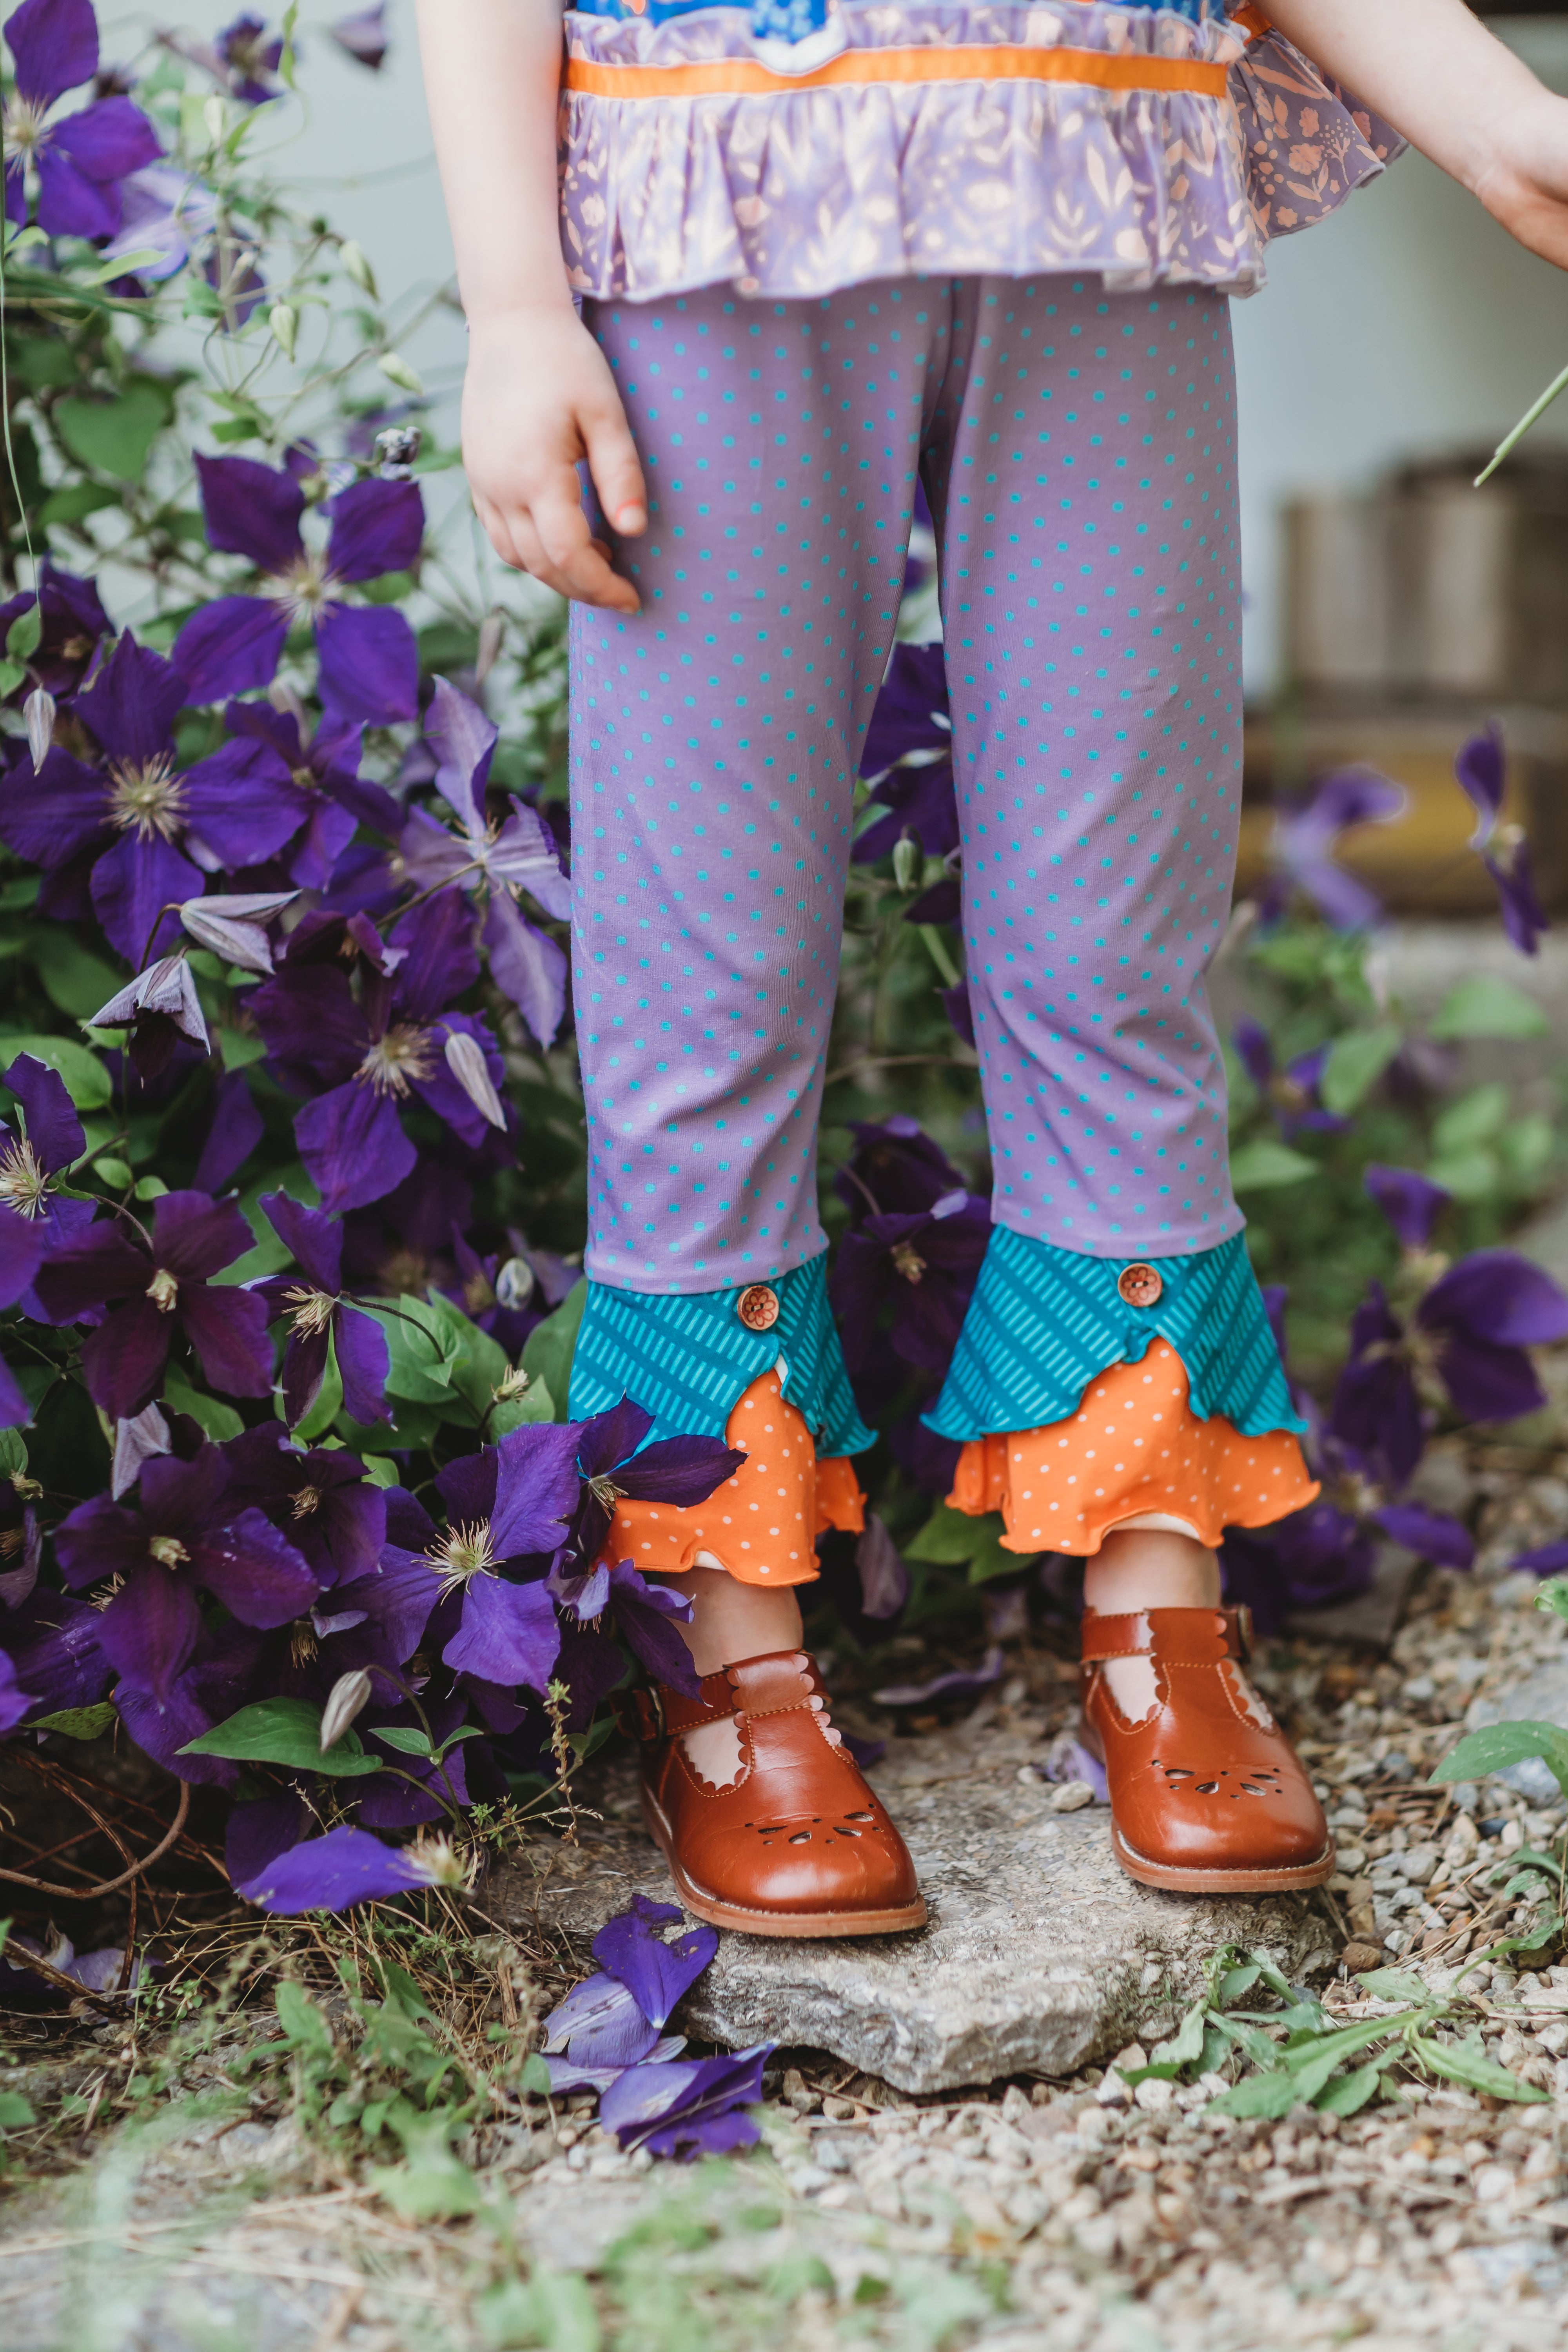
(1418, 864)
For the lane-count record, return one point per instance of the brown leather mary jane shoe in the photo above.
(799, 1845)
(1208, 1795)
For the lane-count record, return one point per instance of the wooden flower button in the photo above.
(1140, 1285)
(758, 1307)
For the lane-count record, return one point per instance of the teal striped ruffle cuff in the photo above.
(1043, 1321)
(689, 1360)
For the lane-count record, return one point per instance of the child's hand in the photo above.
(538, 397)
(1525, 181)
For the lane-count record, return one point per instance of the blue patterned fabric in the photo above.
(689, 1360)
(1043, 1321)
(791, 20)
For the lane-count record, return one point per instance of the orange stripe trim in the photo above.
(855, 69)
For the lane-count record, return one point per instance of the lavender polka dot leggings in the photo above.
(1079, 451)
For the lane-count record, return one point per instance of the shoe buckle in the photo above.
(1243, 1639)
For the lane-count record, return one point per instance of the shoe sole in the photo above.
(1258, 1879)
(749, 1922)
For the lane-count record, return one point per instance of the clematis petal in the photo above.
(537, 1487)
(687, 2104)
(1480, 768)
(230, 646)
(378, 527)
(1411, 1202)
(332, 1873)
(22, 1243)
(52, 1640)
(132, 885)
(149, 1629)
(363, 1364)
(397, 1601)
(54, 45)
(108, 141)
(1254, 1052)
(461, 1098)
(465, 742)
(194, 1236)
(509, 1633)
(430, 855)
(680, 1470)
(54, 1130)
(610, 1438)
(656, 1973)
(15, 1702)
(123, 1361)
(363, 36)
(100, 1539)
(304, 1370)
(50, 814)
(255, 1570)
(354, 1147)
(259, 1832)
(600, 2022)
(644, 1613)
(440, 960)
(100, 1263)
(1431, 1533)
(315, 1239)
(369, 664)
(910, 706)
(70, 201)
(133, 702)
(1487, 1382)
(236, 1128)
(468, 1487)
(252, 510)
(956, 1685)
(228, 1328)
(525, 851)
(527, 965)
(1498, 1295)
(242, 803)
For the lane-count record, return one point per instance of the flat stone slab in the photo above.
(1041, 1956)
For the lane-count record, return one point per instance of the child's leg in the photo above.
(1116, 1383)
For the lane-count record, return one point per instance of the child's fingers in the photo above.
(556, 518)
(583, 573)
(613, 464)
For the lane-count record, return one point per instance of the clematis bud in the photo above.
(160, 1005)
(356, 263)
(396, 370)
(492, 631)
(396, 449)
(38, 710)
(466, 1060)
(348, 1695)
(907, 861)
(230, 924)
(515, 1284)
(136, 1440)
(284, 321)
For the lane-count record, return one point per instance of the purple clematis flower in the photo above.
(363, 36)
(645, 1613)
(894, 1168)
(32, 1215)
(518, 855)
(153, 1288)
(319, 1319)
(368, 662)
(75, 160)
(15, 1702)
(1467, 1341)
(321, 1499)
(184, 1537)
(326, 770)
(1292, 1094)
(676, 1470)
(166, 212)
(1412, 1203)
(905, 1281)
(147, 820)
(1304, 842)
(73, 625)
(656, 1972)
(249, 57)
(908, 756)
(510, 1503)
(1481, 769)
(687, 2107)
(373, 1051)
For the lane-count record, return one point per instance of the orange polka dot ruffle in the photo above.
(1134, 1448)
(762, 1523)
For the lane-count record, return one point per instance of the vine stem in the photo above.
(109, 1885)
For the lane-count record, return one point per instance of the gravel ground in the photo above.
(1032, 2216)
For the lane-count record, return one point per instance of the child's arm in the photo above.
(537, 396)
(1435, 73)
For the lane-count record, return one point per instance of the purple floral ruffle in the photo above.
(800, 192)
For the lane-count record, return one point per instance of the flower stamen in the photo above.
(463, 1552)
(148, 797)
(396, 1059)
(312, 1309)
(163, 1290)
(23, 1183)
(909, 1264)
(168, 1551)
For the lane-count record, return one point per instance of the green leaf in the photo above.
(1498, 1744)
(13, 1454)
(421, 1348)
(115, 1174)
(73, 502)
(285, 1731)
(535, 2077)
(1271, 2095)
(306, 2029)
(1473, 1119)
(406, 1738)
(948, 1537)
(1265, 1165)
(431, 2185)
(270, 1255)
(1235, 1982)
(1469, 1175)
(220, 1421)
(478, 1363)
(1485, 1006)
(1316, 2059)
(1350, 2092)
(15, 2115)
(240, 1047)
(1356, 1061)
(78, 1722)
(1394, 1984)
(86, 1079)
(555, 2308)
(1553, 1596)
(547, 1355)
(113, 436)
(329, 1403)
(1463, 2063)
(22, 635)
(535, 1403)
(1185, 2048)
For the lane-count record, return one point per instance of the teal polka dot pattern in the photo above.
(1077, 449)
